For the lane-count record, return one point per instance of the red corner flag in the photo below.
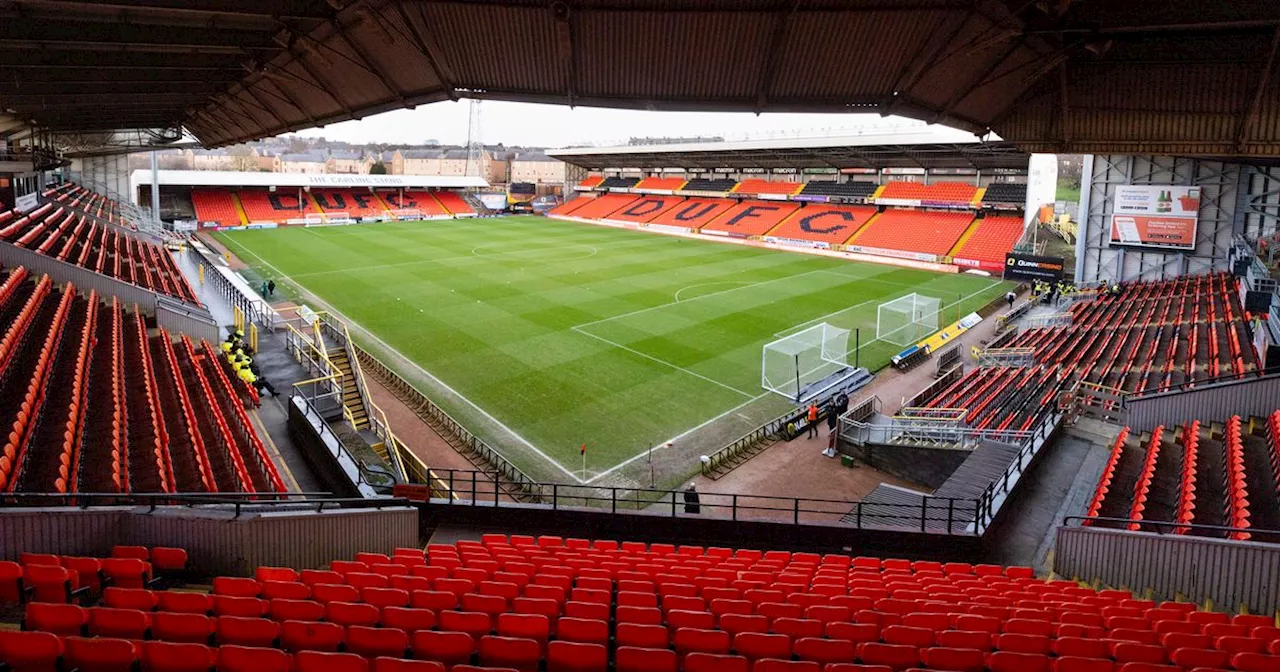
(583, 449)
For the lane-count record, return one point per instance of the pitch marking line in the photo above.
(661, 361)
(429, 375)
(708, 284)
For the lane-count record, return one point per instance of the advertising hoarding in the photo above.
(1155, 216)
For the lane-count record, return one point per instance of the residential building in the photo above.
(304, 162)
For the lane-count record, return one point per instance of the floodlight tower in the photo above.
(474, 145)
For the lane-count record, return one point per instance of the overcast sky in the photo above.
(559, 125)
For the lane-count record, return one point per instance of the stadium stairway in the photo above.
(351, 398)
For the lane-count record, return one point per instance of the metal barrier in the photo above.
(752, 442)
(1006, 321)
(485, 489)
(463, 440)
(236, 502)
(932, 389)
(183, 318)
(255, 308)
(1231, 575)
(1049, 320)
(1006, 356)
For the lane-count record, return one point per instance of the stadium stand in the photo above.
(265, 206)
(938, 192)
(591, 182)
(569, 206)
(618, 183)
(831, 224)
(661, 183)
(153, 417)
(1154, 334)
(646, 208)
(704, 184)
(216, 205)
(694, 213)
(989, 240)
(453, 202)
(754, 187)
(57, 232)
(602, 207)
(573, 605)
(914, 231)
(354, 202)
(846, 189)
(751, 218)
(421, 201)
(1209, 473)
(95, 204)
(1006, 193)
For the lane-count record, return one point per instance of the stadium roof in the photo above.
(228, 178)
(1177, 76)
(932, 148)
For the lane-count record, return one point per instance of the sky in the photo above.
(530, 124)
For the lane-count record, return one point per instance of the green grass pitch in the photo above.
(570, 333)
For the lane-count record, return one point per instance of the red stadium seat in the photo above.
(450, 648)
(1079, 664)
(244, 631)
(709, 662)
(99, 654)
(177, 657)
(59, 619)
(130, 598)
(957, 660)
(577, 657)
(374, 642)
(179, 627)
(119, 623)
(1010, 661)
(637, 659)
(184, 602)
(319, 661)
(33, 651)
(306, 636)
(513, 652)
(246, 659)
(401, 665)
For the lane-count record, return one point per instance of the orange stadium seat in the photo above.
(661, 183)
(756, 186)
(216, 205)
(569, 206)
(913, 231)
(938, 192)
(421, 201)
(832, 224)
(605, 205)
(694, 213)
(646, 208)
(454, 203)
(751, 218)
(354, 202)
(265, 206)
(989, 242)
(591, 181)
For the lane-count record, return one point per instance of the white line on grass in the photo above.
(472, 256)
(660, 361)
(707, 284)
(499, 255)
(428, 374)
(672, 440)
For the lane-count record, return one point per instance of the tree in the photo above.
(242, 158)
(378, 168)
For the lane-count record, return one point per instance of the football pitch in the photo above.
(571, 334)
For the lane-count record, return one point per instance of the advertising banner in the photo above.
(1019, 266)
(1155, 216)
(27, 203)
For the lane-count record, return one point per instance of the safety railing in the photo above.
(451, 430)
(1006, 356)
(1006, 321)
(1168, 527)
(485, 489)
(937, 386)
(730, 454)
(255, 309)
(337, 330)
(1049, 320)
(1030, 443)
(237, 502)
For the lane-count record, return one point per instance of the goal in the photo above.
(797, 366)
(313, 219)
(908, 319)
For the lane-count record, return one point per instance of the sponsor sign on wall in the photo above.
(1155, 216)
(1019, 266)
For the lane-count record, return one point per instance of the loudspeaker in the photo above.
(1273, 359)
(1257, 303)
(1241, 267)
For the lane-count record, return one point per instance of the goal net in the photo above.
(908, 319)
(796, 364)
(313, 219)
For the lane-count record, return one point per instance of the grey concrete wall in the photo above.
(926, 466)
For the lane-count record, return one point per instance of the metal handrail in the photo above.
(1226, 380)
(932, 514)
(746, 441)
(238, 502)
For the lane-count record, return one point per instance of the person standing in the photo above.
(692, 503)
(833, 418)
(1010, 297)
(271, 288)
(812, 416)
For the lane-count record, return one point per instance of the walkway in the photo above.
(272, 417)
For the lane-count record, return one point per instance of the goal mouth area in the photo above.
(805, 364)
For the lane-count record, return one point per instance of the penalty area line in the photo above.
(660, 361)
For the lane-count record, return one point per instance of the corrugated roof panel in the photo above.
(392, 46)
(844, 55)
(510, 49)
(686, 56)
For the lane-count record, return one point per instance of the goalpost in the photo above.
(907, 320)
(794, 365)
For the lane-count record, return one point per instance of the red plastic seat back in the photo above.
(400, 665)
(450, 648)
(250, 659)
(177, 657)
(319, 661)
(59, 619)
(708, 662)
(635, 659)
(31, 651)
(577, 657)
(99, 654)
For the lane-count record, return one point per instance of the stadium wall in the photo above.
(1233, 574)
(1247, 397)
(1222, 189)
(217, 541)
